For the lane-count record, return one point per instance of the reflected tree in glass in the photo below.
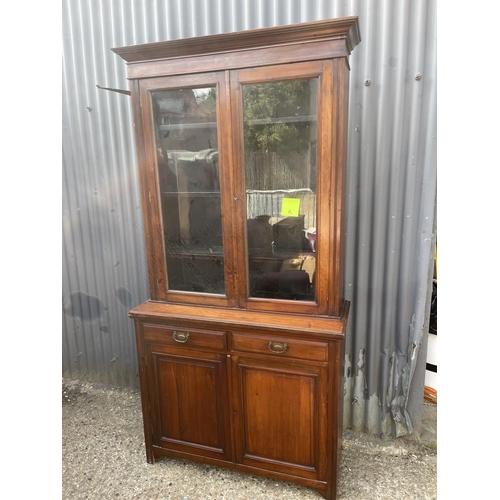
(280, 130)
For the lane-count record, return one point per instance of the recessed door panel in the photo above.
(280, 420)
(188, 395)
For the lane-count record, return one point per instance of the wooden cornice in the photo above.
(346, 27)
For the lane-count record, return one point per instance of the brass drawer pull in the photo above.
(180, 336)
(277, 347)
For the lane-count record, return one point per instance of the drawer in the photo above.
(185, 337)
(281, 346)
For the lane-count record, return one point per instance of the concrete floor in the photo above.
(428, 432)
(103, 456)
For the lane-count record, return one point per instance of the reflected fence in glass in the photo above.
(188, 172)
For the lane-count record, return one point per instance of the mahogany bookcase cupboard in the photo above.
(241, 144)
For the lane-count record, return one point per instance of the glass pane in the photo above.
(280, 127)
(188, 170)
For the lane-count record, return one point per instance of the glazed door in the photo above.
(188, 397)
(280, 416)
(283, 138)
(189, 180)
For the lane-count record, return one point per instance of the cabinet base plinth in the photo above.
(319, 486)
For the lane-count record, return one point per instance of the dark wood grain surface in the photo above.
(249, 383)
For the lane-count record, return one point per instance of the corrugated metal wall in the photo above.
(390, 231)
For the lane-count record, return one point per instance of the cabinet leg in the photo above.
(150, 456)
(330, 493)
(323, 494)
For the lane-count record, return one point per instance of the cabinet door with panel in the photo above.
(188, 400)
(280, 415)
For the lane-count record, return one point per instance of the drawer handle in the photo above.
(180, 336)
(277, 347)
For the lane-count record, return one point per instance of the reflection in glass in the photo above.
(280, 130)
(188, 171)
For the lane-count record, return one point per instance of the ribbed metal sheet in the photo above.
(391, 188)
